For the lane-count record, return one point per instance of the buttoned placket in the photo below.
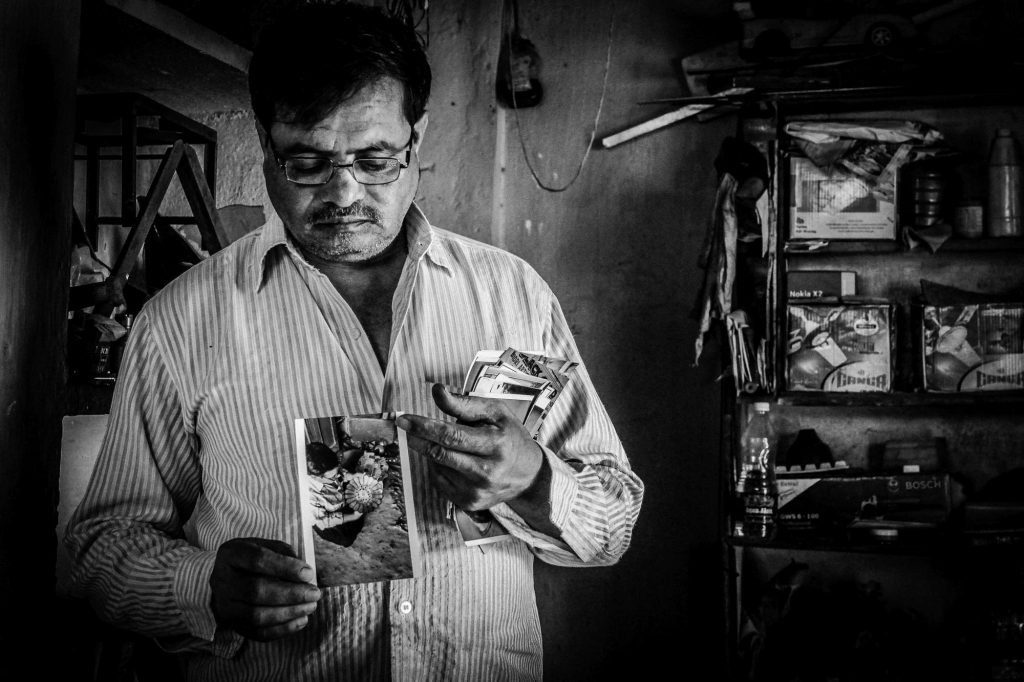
(346, 328)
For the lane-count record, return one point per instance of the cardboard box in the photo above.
(810, 284)
(834, 502)
(841, 348)
(838, 204)
(973, 347)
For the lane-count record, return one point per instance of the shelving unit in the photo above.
(119, 136)
(939, 603)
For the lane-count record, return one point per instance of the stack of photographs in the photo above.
(530, 382)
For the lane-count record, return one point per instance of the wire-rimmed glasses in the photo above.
(318, 170)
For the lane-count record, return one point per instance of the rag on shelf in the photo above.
(743, 177)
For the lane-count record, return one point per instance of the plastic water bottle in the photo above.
(1005, 214)
(758, 487)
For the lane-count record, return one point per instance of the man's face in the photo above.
(344, 221)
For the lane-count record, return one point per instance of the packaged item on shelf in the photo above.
(969, 219)
(839, 204)
(809, 284)
(842, 348)
(973, 347)
(833, 502)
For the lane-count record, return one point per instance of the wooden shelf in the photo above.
(816, 247)
(900, 399)
(985, 244)
(938, 542)
(929, 545)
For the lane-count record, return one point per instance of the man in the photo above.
(346, 302)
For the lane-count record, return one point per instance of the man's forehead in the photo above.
(341, 129)
(340, 134)
(379, 102)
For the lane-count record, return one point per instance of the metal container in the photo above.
(929, 195)
(1004, 214)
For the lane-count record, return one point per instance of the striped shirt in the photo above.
(199, 451)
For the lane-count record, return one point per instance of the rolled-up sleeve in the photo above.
(130, 557)
(595, 495)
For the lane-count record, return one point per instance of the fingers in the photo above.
(267, 634)
(457, 488)
(472, 466)
(260, 589)
(266, 624)
(271, 616)
(269, 558)
(471, 435)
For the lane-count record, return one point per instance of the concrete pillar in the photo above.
(38, 68)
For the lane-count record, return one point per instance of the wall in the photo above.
(38, 53)
(619, 247)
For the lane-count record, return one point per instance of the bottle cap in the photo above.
(1005, 149)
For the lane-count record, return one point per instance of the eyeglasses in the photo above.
(318, 170)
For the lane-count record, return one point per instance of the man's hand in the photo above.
(486, 458)
(261, 590)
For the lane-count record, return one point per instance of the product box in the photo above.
(975, 347)
(810, 284)
(838, 204)
(834, 502)
(843, 348)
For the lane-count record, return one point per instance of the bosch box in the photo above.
(833, 502)
(976, 347)
(842, 348)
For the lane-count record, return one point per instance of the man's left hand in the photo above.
(487, 457)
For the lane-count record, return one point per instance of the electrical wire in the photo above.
(597, 117)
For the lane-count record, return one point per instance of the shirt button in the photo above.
(355, 332)
(405, 607)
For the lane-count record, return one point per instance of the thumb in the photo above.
(464, 409)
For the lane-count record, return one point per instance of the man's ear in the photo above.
(418, 130)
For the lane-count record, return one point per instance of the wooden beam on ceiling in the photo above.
(186, 30)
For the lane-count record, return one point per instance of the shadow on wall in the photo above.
(239, 220)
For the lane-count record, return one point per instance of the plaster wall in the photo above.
(619, 248)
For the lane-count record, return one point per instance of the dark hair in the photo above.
(320, 458)
(314, 57)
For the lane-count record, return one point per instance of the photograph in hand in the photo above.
(356, 503)
(477, 527)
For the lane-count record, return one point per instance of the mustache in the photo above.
(356, 210)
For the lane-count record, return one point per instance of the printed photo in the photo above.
(357, 512)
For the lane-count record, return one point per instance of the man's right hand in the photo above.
(261, 590)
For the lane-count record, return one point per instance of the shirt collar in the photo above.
(422, 239)
(420, 236)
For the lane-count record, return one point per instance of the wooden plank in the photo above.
(179, 26)
(200, 198)
(137, 237)
(666, 119)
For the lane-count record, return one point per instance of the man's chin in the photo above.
(346, 251)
